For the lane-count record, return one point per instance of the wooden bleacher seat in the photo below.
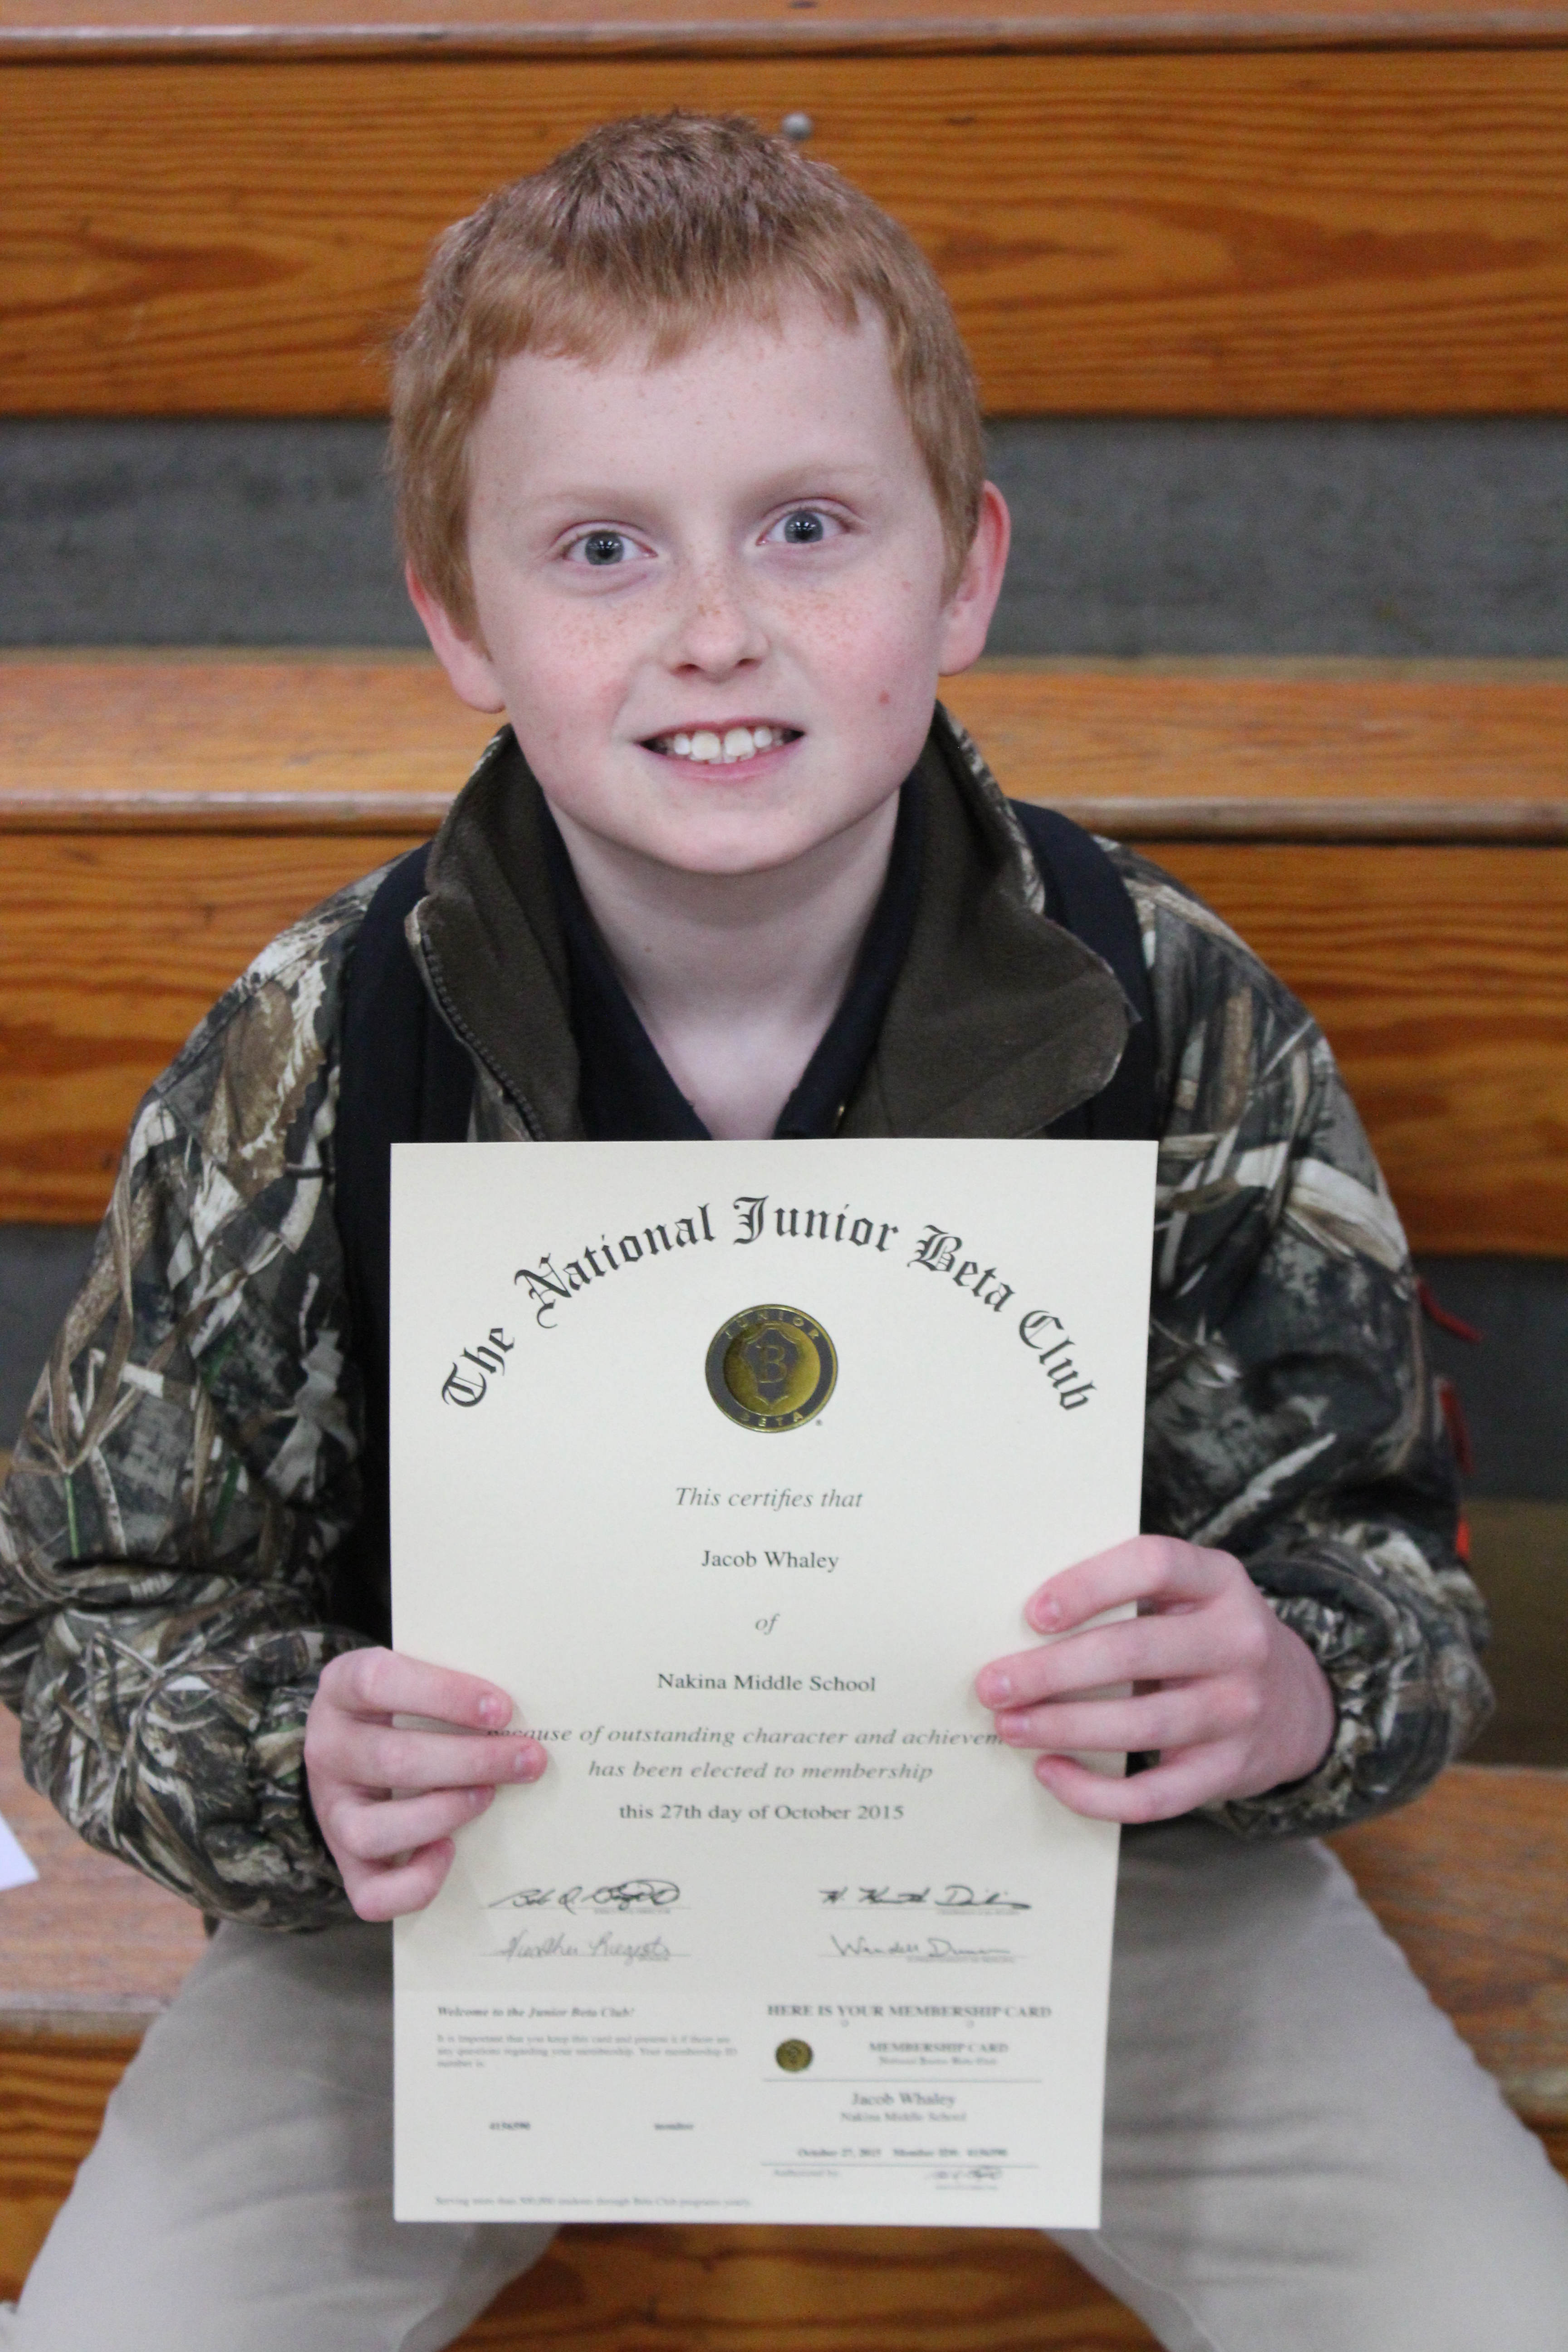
(1468, 1879)
(1393, 838)
(1140, 206)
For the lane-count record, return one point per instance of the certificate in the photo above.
(733, 1462)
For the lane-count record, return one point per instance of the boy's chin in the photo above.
(728, 844)
(727, 853)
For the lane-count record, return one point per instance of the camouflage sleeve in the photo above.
(1292, 1419)
(189, 1464)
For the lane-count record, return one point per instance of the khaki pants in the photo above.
(1301, 2153)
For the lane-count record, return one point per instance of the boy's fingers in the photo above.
(394, 1850)
(379, 1893)
(369, 1832)
(1137, 1650)
(374, 1756)
(1183, 1717)
(384, 1682)
(1171, 1789)
(1145, 1567)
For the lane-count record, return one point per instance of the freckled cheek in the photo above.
(572, 682)
(897, 684)
(864, 669)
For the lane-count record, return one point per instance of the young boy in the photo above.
(690, 471)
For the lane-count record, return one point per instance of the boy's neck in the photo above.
(736, 977)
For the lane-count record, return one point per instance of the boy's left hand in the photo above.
(1233, 1701)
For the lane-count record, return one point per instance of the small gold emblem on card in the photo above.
(771, 1368)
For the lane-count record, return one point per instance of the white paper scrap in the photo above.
(15, 1870)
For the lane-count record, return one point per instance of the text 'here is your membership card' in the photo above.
(733, 1462)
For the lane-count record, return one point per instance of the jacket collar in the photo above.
(1000, 1021)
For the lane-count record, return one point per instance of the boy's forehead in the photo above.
(795, 376)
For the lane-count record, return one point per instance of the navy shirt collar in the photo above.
(627, 1095)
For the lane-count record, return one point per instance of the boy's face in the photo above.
(667, 560)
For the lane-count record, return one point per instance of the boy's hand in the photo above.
(395, 1849)
(1233, 1701)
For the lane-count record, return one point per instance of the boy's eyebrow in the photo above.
(796, 478)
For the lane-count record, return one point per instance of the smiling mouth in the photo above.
(715, 746)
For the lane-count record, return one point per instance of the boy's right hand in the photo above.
(387, 1800)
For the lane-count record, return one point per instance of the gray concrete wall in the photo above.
(1191, 536)
(1513, 1387)
(1180, 536)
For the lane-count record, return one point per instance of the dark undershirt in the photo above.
(627, 1095)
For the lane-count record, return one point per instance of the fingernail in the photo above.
(528, 1762)
(480, 1798)
(1010, 1728)
(1045, 1613)
(495, 1709)
(994, 1687)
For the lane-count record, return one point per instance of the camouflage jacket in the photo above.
(190, 1462)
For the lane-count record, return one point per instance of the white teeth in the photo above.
(707, 744)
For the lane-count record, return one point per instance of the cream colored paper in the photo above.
(783, 1934)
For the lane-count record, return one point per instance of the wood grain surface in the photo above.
(292, 744)
(91, 1948)
(1337, 232)
(1440, 977)
(111, 947)
(1283, 751)
(758, 2290)
(52, 2096)
(1469, 1881)
(319, 27)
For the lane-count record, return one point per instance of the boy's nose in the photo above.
(718, 628)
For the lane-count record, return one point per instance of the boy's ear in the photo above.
(968, 614)
(464, 659)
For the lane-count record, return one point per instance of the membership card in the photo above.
(733, 1463)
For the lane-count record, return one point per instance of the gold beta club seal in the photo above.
(771, 1368)
(794, 2057)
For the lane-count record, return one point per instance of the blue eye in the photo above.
(604, 547)
(804, 529)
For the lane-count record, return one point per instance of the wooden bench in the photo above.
(1394, 839)
(1141, 206)
(1468, 1879)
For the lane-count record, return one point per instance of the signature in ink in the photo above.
(935, 1947)
(621, 1895)
(559, 1946)
(954, 1896)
